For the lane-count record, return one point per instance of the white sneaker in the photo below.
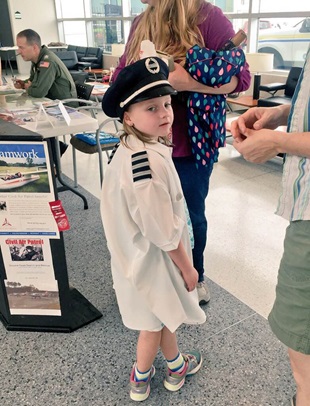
(203, 293)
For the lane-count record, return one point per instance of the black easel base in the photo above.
(82, 312)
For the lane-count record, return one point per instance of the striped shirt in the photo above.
(294, 202)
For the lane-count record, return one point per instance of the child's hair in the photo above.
(127, 129)
(176, 28)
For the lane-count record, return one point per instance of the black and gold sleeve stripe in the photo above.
(140, 166)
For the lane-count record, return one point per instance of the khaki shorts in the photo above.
(290, 317)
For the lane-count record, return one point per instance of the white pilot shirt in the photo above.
(142, 209)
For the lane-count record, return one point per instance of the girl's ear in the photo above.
(127, 119)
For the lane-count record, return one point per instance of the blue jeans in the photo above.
(195, 185)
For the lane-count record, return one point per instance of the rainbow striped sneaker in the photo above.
(140, 391)
(174, 381)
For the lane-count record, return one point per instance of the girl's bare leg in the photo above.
(168, 344)
(147, 348)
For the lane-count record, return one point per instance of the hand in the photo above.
(256, 118)
(258, 146)
(19, 84)
(180, 79)
(190, 278)
(27, 84)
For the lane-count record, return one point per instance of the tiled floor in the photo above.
(245, 236)
(245, 365)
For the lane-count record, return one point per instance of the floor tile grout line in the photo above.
(233, 325)
(271, 171)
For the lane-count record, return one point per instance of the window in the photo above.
(106, 22)
(107, 32)
(65, 9)
(75, 32)
(106, 8)
(287, 40)
(286, 5)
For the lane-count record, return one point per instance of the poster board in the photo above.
(34, 287)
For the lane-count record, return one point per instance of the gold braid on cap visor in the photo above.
(146, 87)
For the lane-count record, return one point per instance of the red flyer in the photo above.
(60, 215)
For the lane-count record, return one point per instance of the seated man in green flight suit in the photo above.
(49, 77)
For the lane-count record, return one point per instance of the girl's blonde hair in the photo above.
(127, 129)
(176, 28)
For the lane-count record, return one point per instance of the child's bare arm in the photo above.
(183, 262)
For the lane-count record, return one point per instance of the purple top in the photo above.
(216, 29)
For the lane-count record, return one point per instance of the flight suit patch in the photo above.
(44, 64)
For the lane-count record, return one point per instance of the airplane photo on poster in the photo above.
(23, 168)
(14, 180)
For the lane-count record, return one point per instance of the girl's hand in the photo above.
(181, 259)
(190, 277)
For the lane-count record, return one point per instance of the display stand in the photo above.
(75, 310)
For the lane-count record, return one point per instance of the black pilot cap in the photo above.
(143, 80)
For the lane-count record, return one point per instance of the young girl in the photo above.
(143, 213)
(174, 26)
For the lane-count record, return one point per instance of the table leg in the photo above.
(65, 185)
(229, 109)
(6, 65)
(10, 65)
(8, 62)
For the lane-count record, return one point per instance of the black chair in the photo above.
(90, 143)
(79, 76)
(94, 56)
(70, 59)
(71, 48)
(83, 91)
(80, 51)
(273, 88)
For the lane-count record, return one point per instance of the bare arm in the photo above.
(181, 80)
(294, 143)
(256, 140)
(183, 262)
(261, 145)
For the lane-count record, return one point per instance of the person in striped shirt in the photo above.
(256, 138)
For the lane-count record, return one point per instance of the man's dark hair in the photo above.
(31, 36)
